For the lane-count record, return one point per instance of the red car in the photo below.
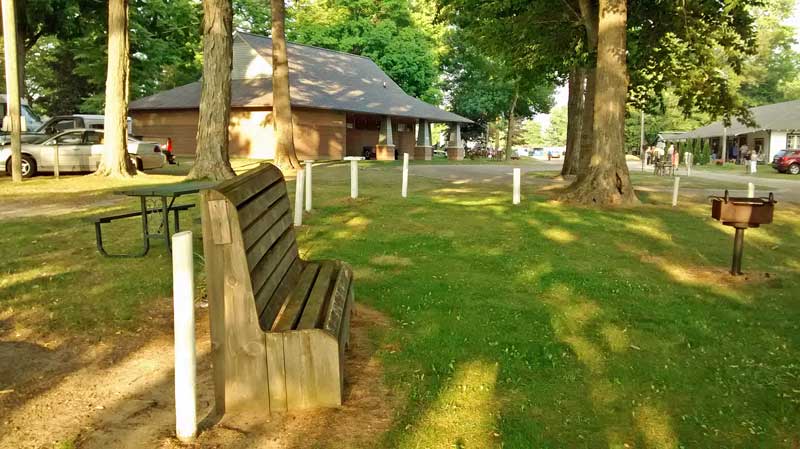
(787, 161)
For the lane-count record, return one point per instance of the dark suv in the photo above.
(787, 161)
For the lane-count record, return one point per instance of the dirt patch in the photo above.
(368, 409)
(119, 393)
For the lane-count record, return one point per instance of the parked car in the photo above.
(787, 161)
(61, 123)
(79, 150)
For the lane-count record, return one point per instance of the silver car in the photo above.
(79, 150)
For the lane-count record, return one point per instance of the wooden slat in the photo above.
(313, 376)
(269, 263)
(344, 332)
(264, 294)
(290, 314)
(281, 293)
(253, 210)
(254, 232)
(277, 372)
(336, 305)
(218, 221)
(246, 380)
(311, 316)
(215, 276)
(245, 186)
(262, 246)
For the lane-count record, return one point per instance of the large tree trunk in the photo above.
(212, 160)
(285, 155)
(115, 162)
(21, 44)
(587, 120)
(577, 81)
(510, 124)
(12, 87)
(606, 180)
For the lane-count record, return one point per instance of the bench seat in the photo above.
(279, 324)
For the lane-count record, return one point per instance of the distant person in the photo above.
(744, 151)
(734, 152)
(753, 161)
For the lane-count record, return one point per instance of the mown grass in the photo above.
(763, 171)
(542, 325)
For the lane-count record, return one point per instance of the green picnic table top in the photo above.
(168, 190)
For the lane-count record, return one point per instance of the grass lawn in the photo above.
(541, 325)
(763, 171)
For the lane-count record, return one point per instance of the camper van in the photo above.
(30, 121)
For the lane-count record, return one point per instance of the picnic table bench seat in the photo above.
(279, 324)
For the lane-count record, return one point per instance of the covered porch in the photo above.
(385, 137)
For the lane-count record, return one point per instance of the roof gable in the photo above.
(779, 117)
(318, 78)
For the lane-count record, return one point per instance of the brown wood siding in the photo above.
(180, 125)
(318, 134)
(404, 141)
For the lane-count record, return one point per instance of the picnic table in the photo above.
(164, 196)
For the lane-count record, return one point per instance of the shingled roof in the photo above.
(318, 78)
(778, 117)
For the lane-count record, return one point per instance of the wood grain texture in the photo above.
(246, 379)
(246, 186)
(264, 203)
(312, 369)
(276, 371)
(280, 230)
(312, 313)
(219, 224)
(338, 301)
(290, 315)
(215, 276)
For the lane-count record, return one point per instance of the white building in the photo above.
(777, 128)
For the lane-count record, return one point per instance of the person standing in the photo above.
(734, 153)
(753, 161)
(744, 151)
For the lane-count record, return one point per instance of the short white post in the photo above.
(675, 191)
(404, 191)
(185, 356)
(688, 159)
(354, 174)
(308, 184)
(517, 177)
(299, 183)
(751, 190)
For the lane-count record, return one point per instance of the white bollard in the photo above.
(308, 185)
(675, 191)
(185, 356)
(404, 191)
(299, 184)
(688, 159)
(751, 190)
(354, 175)
(517, 176)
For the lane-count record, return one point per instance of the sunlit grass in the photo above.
(540, 325)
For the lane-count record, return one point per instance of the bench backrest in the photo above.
(258, 205)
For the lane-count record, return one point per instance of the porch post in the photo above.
(384, 150)
(455, 151)
(423, 150)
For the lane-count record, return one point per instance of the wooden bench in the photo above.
(279, 324)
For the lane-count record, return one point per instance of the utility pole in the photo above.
(12, 86)
(641, 141)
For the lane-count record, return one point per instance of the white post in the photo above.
(354, 174)
(404, 191)
(516, 185)
(675, 191)
(185, 357)
(308, 185)
(299, 183)
(688, 163)
(751, 190)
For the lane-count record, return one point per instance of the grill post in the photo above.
(738, 247)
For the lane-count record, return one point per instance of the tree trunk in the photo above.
(21, 49)
(285, 155)
(577, 81)
(510, 124)
(606, 180)
(212, 160)
(12, 87)
(587, 121)
(115, 162)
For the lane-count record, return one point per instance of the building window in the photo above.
(793, 141)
